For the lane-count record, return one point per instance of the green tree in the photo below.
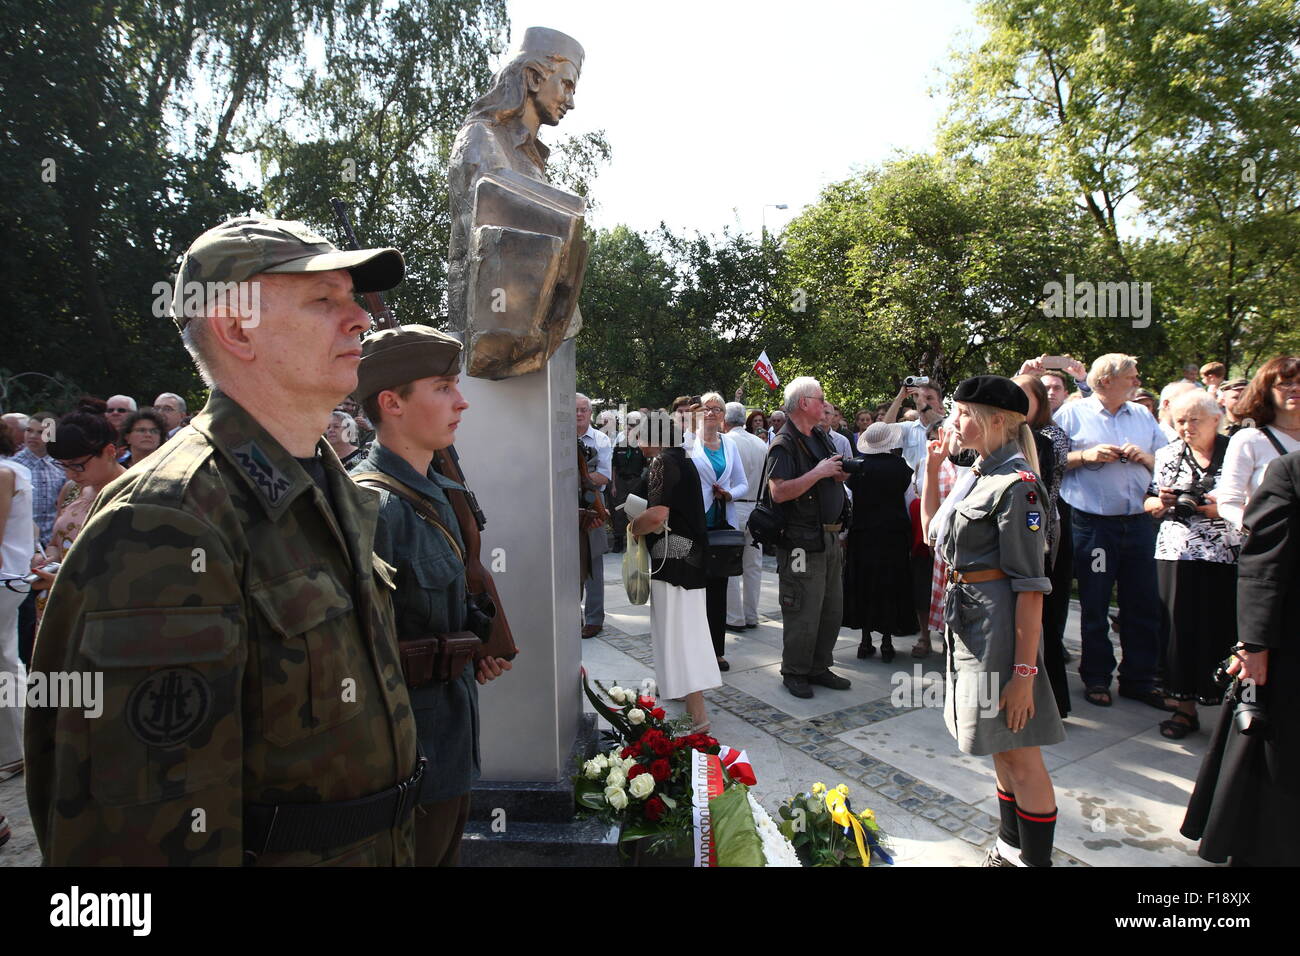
(928, 267)
(117, 153)
(1152, 111)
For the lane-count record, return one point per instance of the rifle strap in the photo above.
(379, 480)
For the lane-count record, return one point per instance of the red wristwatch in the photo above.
(1024, 670)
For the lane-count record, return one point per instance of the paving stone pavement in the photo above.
(1121, 788)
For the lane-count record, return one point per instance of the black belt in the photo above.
(315, 827)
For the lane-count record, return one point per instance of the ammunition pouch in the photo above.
(436, 658)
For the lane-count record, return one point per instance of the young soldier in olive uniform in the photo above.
(228, 592)
(408, 388)
(992, 539)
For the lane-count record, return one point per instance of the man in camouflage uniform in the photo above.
(407, 384)
(228, 592)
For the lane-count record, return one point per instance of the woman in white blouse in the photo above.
(722, 480)
(1272, 402)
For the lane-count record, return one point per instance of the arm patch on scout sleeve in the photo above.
(1033, 519)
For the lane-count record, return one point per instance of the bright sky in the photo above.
(715, 108)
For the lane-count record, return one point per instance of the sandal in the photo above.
(700, 728)
(921, 648)
(1152, 698)
(1098, 695)
(1175, 729)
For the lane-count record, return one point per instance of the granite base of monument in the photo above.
(532, 823)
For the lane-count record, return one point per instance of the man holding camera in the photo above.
(407, 386)
(929, 406)
(806, 477)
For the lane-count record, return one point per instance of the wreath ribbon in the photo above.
(838, 808)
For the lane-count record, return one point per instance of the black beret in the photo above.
(394, 357)
(993, 390)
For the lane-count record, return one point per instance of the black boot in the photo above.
(866, 648)
(886, 648)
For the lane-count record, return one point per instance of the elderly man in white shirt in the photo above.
(742, 610)
(593, 602)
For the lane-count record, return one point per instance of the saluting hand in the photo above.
(490, 668)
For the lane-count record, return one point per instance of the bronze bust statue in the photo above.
(517, 254)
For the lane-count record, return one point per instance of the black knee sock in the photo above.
(1036, 832)
(1009, 831)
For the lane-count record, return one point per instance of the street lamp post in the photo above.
(763, 214)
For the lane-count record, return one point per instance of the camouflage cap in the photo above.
(393, 357)
(246, 246)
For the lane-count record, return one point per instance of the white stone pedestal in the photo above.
(519, 454)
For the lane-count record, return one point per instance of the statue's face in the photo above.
(554, 95)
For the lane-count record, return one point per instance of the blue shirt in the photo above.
(1113, 488)
(48, 477)
(718, 459)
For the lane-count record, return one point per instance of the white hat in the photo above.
(879, 437)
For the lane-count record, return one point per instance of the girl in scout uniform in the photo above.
(992, 539)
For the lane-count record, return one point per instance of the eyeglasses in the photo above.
(145, 431)
(77, 467)
(712, 410)
(165, 408)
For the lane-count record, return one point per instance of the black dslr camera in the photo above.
(1187, 499)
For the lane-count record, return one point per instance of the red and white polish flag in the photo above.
(763, 367)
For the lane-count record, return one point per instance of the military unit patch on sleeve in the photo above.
(1031, 496)
(168, 706)
(1033, 520)
(268, 479)
(1027, 476)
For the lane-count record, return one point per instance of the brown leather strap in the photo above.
(976, 577)
(378, 479)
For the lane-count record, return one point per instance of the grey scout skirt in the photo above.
(981, 644)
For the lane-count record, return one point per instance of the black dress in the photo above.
(877, 563)
(1246, 804)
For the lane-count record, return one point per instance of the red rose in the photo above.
(662, 747)
(659, 769)
(646, 703)
(632, 751)
(637, 771)
(655, 809)
(657, 713)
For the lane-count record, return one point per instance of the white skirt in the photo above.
(679, 634)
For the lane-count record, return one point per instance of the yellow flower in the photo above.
(843, 788)
(867, 815)
(818, 788)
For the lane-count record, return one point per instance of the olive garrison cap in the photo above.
(241, 248)
(393, 357)
(993, 390)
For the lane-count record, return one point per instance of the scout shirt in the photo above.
(244, 631)
(1014, 542)
(430, 598)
